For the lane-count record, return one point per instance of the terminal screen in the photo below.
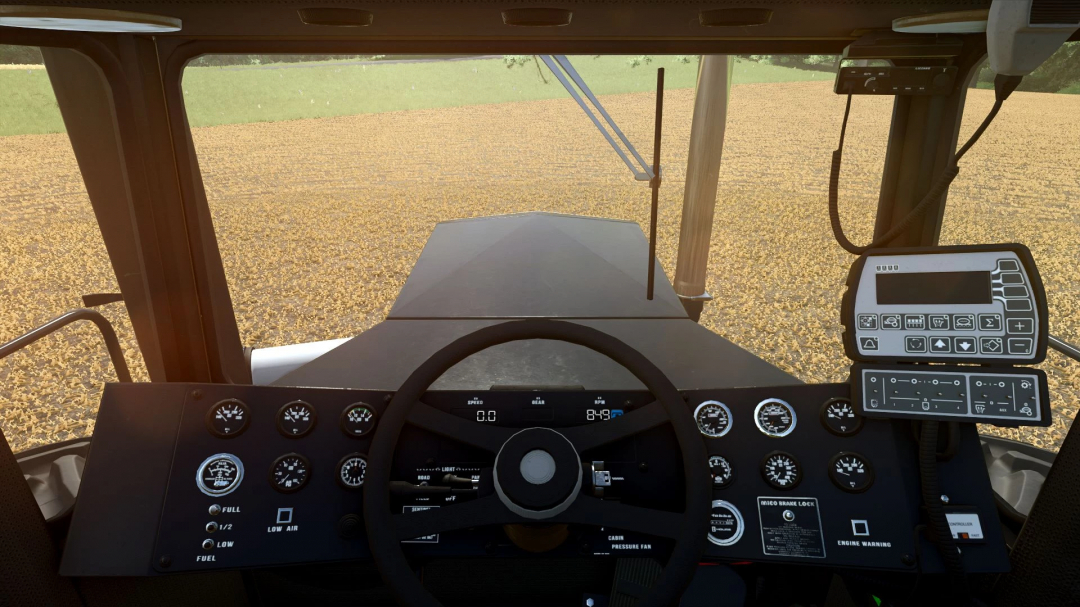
(933, 288)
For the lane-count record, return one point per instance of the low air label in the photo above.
(427, 539)
(791, 527)
(965, 526)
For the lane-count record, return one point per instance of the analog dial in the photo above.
(774, 417)
(838, 416)
(358, 419)
(220, 474)
(713, 418)
(351, 471)
(721, 471)
(781, 470)
(296, 419)
(227, 418)
(851, 472)
(290, 472)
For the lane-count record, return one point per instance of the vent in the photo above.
(735, 17)
(537, 17)
(1055, 12)
(336, 17)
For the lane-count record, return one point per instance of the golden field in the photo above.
(321, 220)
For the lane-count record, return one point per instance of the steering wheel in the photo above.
(538, 473)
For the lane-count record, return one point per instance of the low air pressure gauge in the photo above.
(781, 470)
(713, 418)
(351, 470)
(290, 473)
(774, 417)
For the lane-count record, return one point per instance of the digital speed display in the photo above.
(933, 288)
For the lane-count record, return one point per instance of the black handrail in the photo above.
(1065, 348)
(116, 354)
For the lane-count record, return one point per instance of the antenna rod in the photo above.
(654, 183)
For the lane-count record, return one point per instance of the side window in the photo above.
(51, 254)
(1019, 184)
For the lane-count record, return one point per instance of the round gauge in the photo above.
(219, 474)
(774, 417)
(358, 419)
(296, 419)
(721, 471)
(227, 418)
(290, 472)
(713, 418)
(725, 523)
(851, 472)
(781, 470)
(838, 416)
(351, 470)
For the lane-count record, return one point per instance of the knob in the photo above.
(211, 527)
(208, 544)
(349, 526)
(871, 84)
(215, 510)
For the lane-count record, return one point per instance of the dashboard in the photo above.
(226, 477)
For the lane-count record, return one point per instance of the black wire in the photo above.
(935, 193)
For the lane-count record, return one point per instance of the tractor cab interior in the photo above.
(539, 416)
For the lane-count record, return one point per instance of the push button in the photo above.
(964, 345)
(938, 322)
(992, 345)
(1018, 305)
(868, 321)
(1008, 265)
(989, 322)
(1020, 345)
(1020, 326)
(941, 345)
(963, 322)
(915, 343)
(890, 321)
(1012, 278)
(868, 344)
(914, 322)
(1015, 291)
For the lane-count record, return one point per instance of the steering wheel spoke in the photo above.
(588, 510)
(440, 519)
(482, 436)
(635, 422)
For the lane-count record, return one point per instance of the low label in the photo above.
(791, 527)
(965, 526)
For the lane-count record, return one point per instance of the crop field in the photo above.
(321, 219)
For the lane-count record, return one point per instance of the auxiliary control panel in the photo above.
(224, 476)
(977, 304)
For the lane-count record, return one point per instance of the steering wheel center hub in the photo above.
(538, 467)
(537, 473)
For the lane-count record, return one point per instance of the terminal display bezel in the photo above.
(1038, 294)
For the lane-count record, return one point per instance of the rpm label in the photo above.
(791, 526)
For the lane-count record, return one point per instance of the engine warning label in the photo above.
(791, 527)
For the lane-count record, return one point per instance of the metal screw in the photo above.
(643, 466)
(944, 499)
(165, 561)
(388, 398)
(907, 559)
(196, 394)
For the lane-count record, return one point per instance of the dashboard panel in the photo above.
(223, 477)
